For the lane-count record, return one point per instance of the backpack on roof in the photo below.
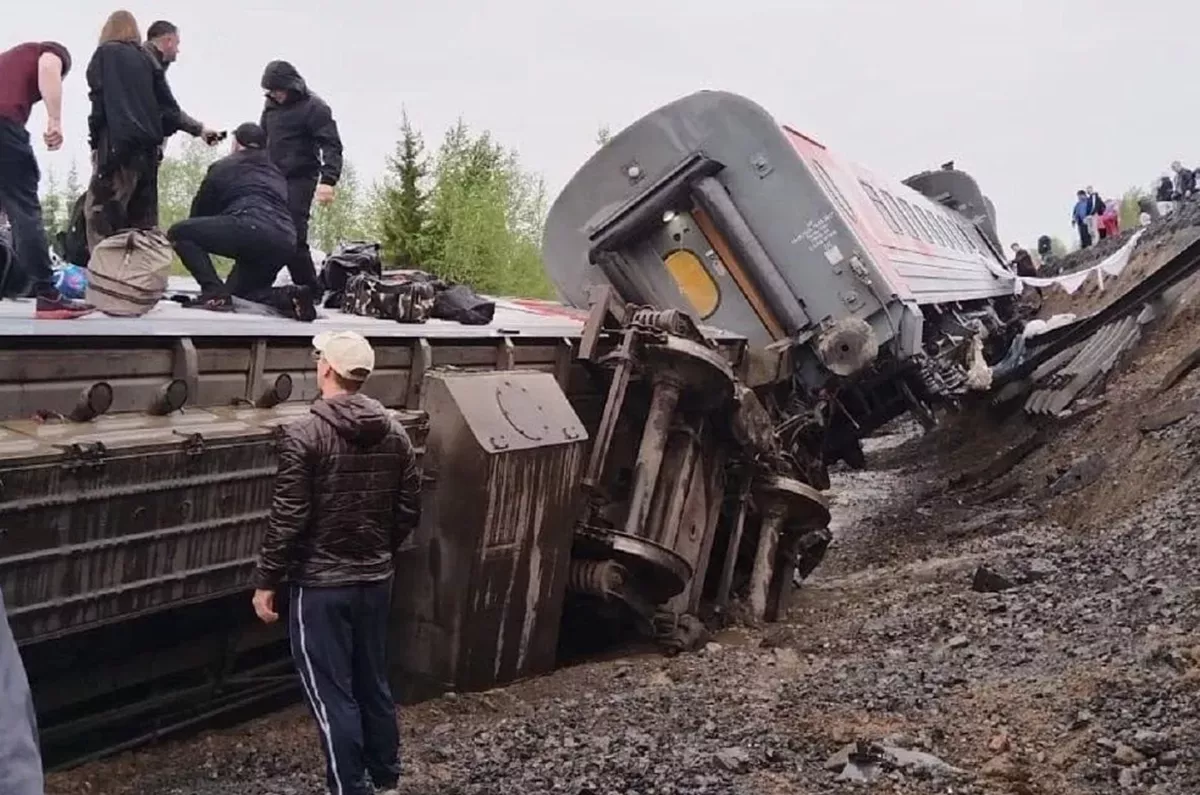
(347, 260)
(127, 274)
(402, 301)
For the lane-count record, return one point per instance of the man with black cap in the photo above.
(347, 495)
(241, 211)
(31, 73)
(303, 140)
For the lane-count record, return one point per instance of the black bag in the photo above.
(347, 260)
(72, 241)
(403, 301)
(14, 283)
(463, 305)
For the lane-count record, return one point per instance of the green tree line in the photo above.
(468, 212)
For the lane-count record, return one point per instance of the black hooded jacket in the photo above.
(248, 185)
(302, 135)
(347, 495)
(129, 96)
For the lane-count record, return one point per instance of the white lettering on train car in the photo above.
(818, 233)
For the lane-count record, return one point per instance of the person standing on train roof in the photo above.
(130, 108)
(30, 73)
(20, 759)
(347, 495)
(303, 141)
(162, 43)
(1079, 218)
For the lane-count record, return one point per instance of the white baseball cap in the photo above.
(348, 353)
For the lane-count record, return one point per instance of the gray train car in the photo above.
(843, 281)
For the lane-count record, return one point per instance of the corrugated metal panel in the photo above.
(1058, 388)
(107, 520)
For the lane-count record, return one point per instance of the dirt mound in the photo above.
(1185, 217)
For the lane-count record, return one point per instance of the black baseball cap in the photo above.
(250, 135)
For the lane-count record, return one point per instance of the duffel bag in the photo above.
(127, 273)
(346, 261)
(404, 302)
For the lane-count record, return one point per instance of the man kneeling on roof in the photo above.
(241, 211)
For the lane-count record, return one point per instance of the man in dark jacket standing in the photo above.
(20, 760)
(240, 211)
(347, 494)
(31, 73)
(162, 43)
(303, 140)
(125, 130)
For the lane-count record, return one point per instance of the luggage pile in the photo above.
(354, 283)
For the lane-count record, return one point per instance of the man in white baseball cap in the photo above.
(347, 353)
(347, 494)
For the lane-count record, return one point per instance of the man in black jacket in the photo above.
(347, 495)
(241, 211)
(303, 140)
(125, 130)
(162, 43)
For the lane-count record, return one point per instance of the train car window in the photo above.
(917, 223)
(899, 213)
(948, 228)
(891, 221)
(923, 214)
(966, 241)
(937, 230)
(984, 248)
(832, 189)
(694, 281)
(973, 239)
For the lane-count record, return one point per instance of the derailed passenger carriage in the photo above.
(754, 305)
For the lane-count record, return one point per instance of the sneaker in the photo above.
(56, 307)
(303, 304)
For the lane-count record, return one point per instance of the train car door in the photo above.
(701, 269)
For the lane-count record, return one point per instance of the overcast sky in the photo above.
(1035, 98)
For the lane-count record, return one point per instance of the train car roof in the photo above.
(514, 317)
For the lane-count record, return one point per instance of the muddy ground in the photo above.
(1024, 631)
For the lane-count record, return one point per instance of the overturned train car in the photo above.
(748, 305)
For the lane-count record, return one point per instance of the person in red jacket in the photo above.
(30, 73)
(1110, 220)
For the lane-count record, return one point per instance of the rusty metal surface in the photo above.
(50, 375)
(112, 519)
(480, 585)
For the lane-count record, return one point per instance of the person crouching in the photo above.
(241, 211)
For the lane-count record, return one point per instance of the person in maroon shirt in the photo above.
(31, 73)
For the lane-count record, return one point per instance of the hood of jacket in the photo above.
(356, 418)
(282, 76)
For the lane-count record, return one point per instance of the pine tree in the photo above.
(403, 205)
(53, 212)
(341, 221)
(74, 187)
